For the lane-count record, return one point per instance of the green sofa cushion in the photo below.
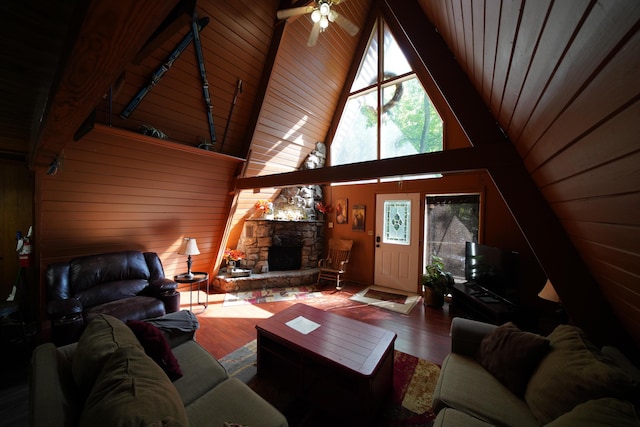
(600, 412)
(573, 372)
(132, 390)
(101, 338)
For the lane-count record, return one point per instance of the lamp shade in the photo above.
(189, 247)
(549, 293)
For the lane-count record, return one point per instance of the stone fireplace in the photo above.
(281, 245)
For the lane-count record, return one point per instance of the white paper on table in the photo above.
(303, 325)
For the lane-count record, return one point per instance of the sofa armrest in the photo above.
(52, 400)
(467, 334)
(158, 286)
(64, 308)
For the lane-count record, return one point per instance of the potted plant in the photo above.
(436, 283)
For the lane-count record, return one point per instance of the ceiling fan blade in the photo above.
(347, 25)
(313, 37)
(294, 11)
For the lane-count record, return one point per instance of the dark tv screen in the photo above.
(494, 269)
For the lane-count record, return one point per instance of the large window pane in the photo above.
(410, 123)
(356, 139)
(394, 61)
(407, 123)
(450, 222)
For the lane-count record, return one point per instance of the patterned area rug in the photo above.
(390, 299)
(260, 296)
(414, 381)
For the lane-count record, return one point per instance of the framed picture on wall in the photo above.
(342, 214)
(358, 217)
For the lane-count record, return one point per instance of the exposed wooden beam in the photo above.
(110, 35)
(544, 233)
(459, 160)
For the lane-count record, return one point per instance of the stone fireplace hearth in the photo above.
(287, 239)
(305, 239)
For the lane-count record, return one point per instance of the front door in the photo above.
(397, 254)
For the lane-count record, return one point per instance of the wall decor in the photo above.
(342, 213)
(358, 217)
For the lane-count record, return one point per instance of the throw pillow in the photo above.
(156, 346)
(511, 355)
(132, 391)
(574, 372)
(101, 338)
(599, 412)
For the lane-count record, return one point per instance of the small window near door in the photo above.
(450, 221)
(397, 222)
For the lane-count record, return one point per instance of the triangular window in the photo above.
(388, 112)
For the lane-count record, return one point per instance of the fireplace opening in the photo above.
(283, 258)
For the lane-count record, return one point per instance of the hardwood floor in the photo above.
(423, 333)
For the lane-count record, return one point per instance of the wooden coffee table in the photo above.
(343, 365)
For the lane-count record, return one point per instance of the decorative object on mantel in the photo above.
(189, 247)
(264, 208)
(323, 210)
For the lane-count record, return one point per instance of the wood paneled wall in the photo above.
(234, 47)
(119, 190)
(561, 78)
(16, 214)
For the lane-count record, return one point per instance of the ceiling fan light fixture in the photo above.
(325, 9)
(332, 16)
(315, 16)
(324, 22)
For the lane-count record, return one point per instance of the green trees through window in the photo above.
(388, 113)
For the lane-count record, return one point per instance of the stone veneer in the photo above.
(258, 235)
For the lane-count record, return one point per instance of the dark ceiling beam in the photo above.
(179, 18)
(459, 160)
(110, 35)
(580, 293)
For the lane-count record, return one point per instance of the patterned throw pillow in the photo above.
(156, 346)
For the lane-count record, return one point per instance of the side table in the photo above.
(197, 278)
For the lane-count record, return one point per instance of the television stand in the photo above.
(474, 302)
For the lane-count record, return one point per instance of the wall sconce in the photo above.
(189, 247)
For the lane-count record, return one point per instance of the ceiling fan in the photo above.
(321, 14)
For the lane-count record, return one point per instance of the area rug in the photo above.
(414, 382)
(260, 296)
(389, 299)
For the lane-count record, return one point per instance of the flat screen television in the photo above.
(493, 269)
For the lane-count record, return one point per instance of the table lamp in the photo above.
(189, 247)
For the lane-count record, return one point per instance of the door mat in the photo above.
(389, 299)
(260, 296)
(414, 381)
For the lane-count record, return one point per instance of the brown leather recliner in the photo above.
(129, 285)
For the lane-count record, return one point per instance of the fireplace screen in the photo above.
(282, 258)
